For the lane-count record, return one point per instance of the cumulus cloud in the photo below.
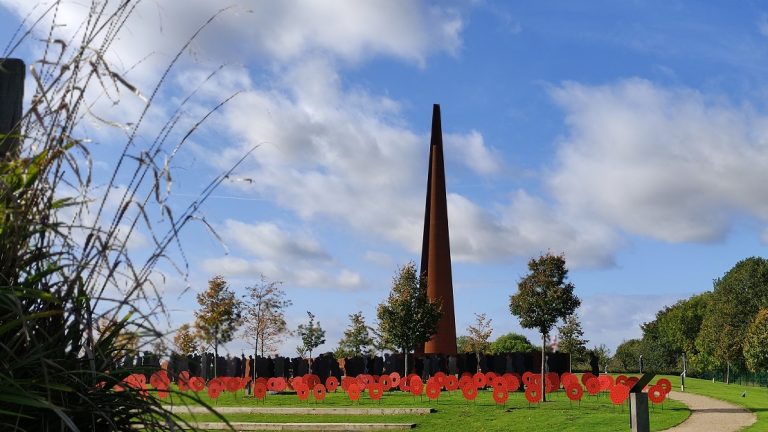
(290, 256)
(470, 149)
(669, 163)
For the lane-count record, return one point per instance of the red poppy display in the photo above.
(215, 387)
(318, 391)
(469, 391)
(606, 382)
(353, 391)
(500, 395)
(346, 382)
(499, 382)
(183, 381)
(433, 389)
(489, 376)
(331, 383)
(160, 380)
(465, 381)
(593, 386)
(440, 377)
(621, 380)
(513, 383)
(656, 394)
(395, 377)
(275, 384)
(451, 383)
(386, 382)
(665, 385)
(232, 384)
(585, 377)
(196, 384)
(375, 391)
(533, 394)
(302, 391)
(527, 377)
(619, 393)
(574, 391)
(259, 391)
(416, 386)
(631, 381)
(311, 380)
(479, 379)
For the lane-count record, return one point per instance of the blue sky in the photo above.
(631, 136)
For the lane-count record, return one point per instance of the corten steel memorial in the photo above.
(436, 248)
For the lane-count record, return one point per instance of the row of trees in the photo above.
(720, 330)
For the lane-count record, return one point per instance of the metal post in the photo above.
(12, 73)
(682, 375)
(638, 402)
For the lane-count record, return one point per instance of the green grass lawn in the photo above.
(756, 399)
(453, 413)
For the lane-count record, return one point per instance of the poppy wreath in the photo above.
(479, 379)
(586, 377)
(433, 389)
(183, 381)
(386, 382)
(375, 391)
(197, 384)
(260, 391)
(606, 382)
(353, 391)
(656, 394)
(416, 386)
(593, 386)
(500, 395)
(619, 394)
(469, 391)
(513, 384)
(533, 394)
(318, 392)
(302, 391)
(665, 385)
(331, 383)
(451, 383)
(574, 391)
(395, 377)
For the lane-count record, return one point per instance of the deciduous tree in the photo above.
(357, 340)
(219, 316)
(571, 339)
(312, 336)
(510, 343)
(264, 320)
(627, 357)
(408, 318)
(479, 333)
(735, 301)
(185, 340)
(544, 296)
(756, 343)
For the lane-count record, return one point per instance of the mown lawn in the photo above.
(755, 400)
(453, 413)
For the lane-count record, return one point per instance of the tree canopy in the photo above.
(756, 343)
(357, 339)
(479, 333)
(571, 339)
(543, 297)
(185, 340)
(312, 336)
(511, 342)
(264, 320)
(220, 313)
(407, 318)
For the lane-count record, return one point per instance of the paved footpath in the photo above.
(711, 415)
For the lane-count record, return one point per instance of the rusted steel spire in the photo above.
(436, 248)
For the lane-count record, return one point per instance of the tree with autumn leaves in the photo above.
(219, 316)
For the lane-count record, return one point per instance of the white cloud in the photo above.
(672, 164)
(470, 149)
(269, 241)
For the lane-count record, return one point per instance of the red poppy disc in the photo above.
(353, 391)
(395, 377)
(302, 391)
(386, 382)
(451, 383)
(331, 383)
(665, 385)
(318, 391)
(196, 384)
(656, 394)
(574, 391)
(513, 384)
(585, 377)
(500, 395)
(606, 382)
(469, 391)
(259, 391)
(619, 393)
(593, 386)
(479, 379)
(416, 386)
(375, 391)
(433, 389)
(533, 394)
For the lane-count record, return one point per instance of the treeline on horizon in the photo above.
(720, 331)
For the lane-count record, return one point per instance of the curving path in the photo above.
(708, 414)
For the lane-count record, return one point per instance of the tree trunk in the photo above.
(310, 361)
(216, 352)
(405, 358)
(543, 375)
(728, 373)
